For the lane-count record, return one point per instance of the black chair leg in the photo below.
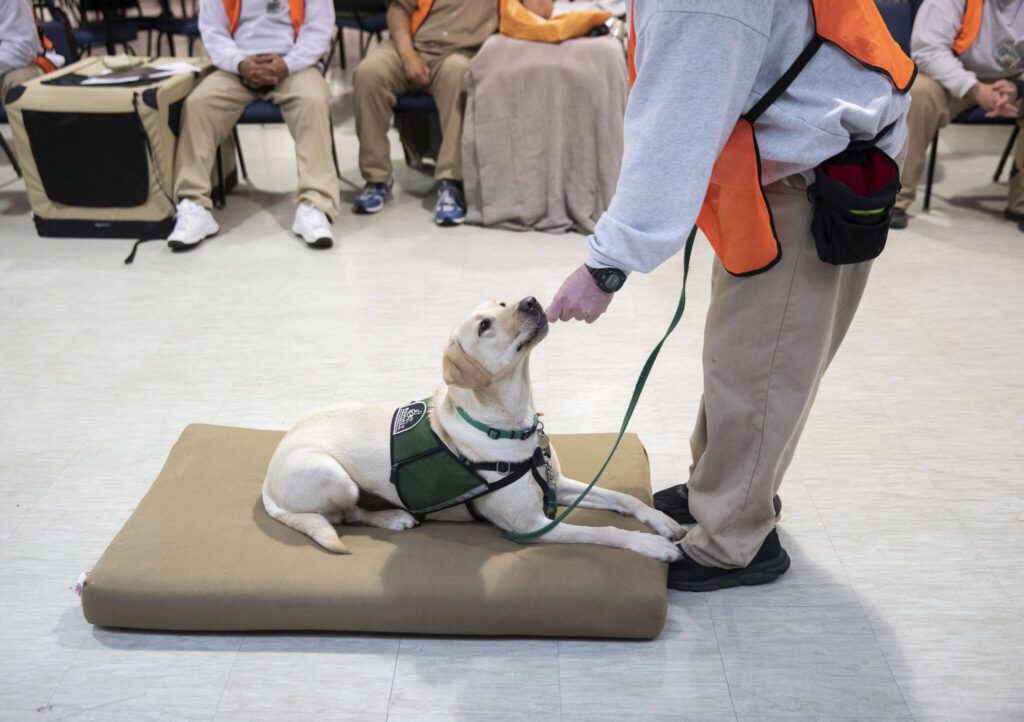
(341, 48)
(219, 195)
(334, 153)
(241, 158)
(1006, 153)
(931, 172)
(17, 168)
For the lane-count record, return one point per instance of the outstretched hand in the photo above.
(579, 298)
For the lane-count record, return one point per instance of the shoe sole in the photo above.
(359, 211)
(181, 246)
(448, 222)
(764, 573)
(321, 243)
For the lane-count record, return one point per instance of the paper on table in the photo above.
(157, 71)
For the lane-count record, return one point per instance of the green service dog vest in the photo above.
(430, 477)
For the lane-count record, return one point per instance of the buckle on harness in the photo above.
(494, 434)
(503, 467)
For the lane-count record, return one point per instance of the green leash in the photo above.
(637, 391)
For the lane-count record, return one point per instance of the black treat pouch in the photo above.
(853, 194)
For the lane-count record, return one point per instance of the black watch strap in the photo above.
(608, 280)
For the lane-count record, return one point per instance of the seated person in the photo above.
(966, 56)
(22, 55)
(429, 50)
(262, 49)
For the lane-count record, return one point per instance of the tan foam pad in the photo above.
(200, 554)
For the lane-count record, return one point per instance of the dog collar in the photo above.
(494, 433)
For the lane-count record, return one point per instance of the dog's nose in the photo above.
(530, 305)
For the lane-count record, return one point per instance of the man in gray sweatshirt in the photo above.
(770, 336)
(960, 67)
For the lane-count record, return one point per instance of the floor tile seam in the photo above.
(227, 677)
(394, 676)
(721, 661)
(56, 477)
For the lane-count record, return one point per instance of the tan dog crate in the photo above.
(98, 159)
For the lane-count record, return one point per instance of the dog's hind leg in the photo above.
(394, 519)
(318, 489)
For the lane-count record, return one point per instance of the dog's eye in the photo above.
(484, 325)
(502, 304)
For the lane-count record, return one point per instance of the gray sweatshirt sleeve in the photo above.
(19, 41)
(695, 71)
(314, 36)
(221, 47)
(931, 45)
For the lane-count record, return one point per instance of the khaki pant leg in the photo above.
(378, 81)
(209, 114)
(931, 107)
(306, 105)
(17, 77)
(1015, 200)
(448, 79)
(767, 342)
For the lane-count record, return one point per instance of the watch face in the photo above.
(612, 281)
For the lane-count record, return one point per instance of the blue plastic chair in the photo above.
(406, 108)
(169, 26)
(369, 25)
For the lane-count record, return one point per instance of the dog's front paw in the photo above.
(664, 525)
(657, 547)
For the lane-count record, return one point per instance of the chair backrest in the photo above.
(899, 18)
(60, 34)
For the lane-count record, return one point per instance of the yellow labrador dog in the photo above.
(484, 416)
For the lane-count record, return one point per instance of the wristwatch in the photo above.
(608, 280)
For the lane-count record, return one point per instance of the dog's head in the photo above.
(495, 340)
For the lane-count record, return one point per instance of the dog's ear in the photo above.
(461, 369)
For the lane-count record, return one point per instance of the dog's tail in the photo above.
(310, 524)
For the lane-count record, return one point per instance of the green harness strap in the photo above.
(637, 391)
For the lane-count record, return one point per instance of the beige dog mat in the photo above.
(200, 554)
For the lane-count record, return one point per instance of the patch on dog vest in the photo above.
(407, 417)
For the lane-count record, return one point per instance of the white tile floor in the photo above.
(904, 507)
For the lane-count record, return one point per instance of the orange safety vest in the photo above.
(735, 215)
(423, 7)
(296, 9)
(969, 28)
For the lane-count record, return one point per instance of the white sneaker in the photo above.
(193, 223)
(312, 226)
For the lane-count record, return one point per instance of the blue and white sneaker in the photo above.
(373, 196)
(451, 204)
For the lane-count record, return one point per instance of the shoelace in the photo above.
(371, 191)
(448, 201)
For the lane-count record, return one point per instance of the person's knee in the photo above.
(926, 93)
(372, 75)
(454, 71)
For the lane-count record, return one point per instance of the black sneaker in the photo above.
(675, 501)
(770, 563)
(898, 218)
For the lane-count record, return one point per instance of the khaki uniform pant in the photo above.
(767, 342)
(17, 77)
(213, 109)
(379, 80)
(931, 108)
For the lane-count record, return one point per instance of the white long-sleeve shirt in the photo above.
(936, 26)
(19, 38)
(262, 30)
(700, 65)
